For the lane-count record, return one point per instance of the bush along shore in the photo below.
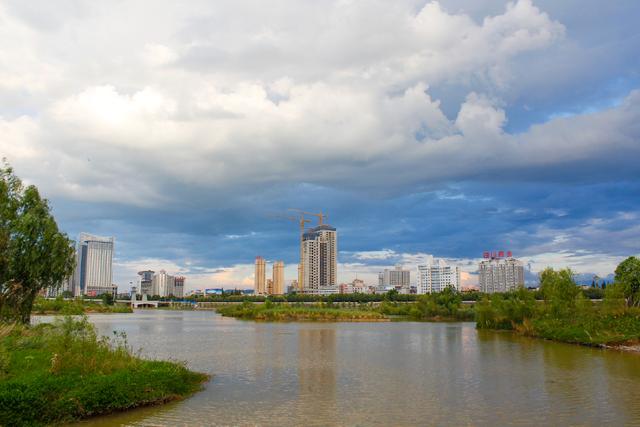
(75, 307)
(62, 372)
(565, 314)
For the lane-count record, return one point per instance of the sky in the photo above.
(187, 130)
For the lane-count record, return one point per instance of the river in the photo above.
(357, 374)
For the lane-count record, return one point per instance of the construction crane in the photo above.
(321, 217)
(302, 222)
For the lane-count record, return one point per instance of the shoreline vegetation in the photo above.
(60, 372)
(558, 311)
(42, 306)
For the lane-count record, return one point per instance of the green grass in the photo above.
(61, 372)
(591, 330)
(572, 319)
(75, 307)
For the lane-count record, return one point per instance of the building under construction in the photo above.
(318, 254)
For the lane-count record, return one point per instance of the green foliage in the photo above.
(75, 307)
(505, 311)
(34, 254)
(446, 305)
(614, 300)
(593, 293)
(297, 312)
(107, 298)
(63, 372)
(566, 314)
(628, 277)
(559, 291)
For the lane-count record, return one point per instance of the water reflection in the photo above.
(291, 374)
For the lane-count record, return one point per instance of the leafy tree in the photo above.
(107, 298)
(559, 291)
(628, 277)
(34, 254)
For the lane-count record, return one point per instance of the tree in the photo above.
(34, 254)
(628, 277)
(559, 290)
(107, 298)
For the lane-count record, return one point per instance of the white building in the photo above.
(319, 258)
(397, 278)
(94, 265)
(163, 284)
(436, 275)
(500, 274)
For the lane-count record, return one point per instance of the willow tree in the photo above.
(34, 254)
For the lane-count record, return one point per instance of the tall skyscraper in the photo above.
(94, 265)
(260, 278)
(397, 278)
(178, 290)
(163, 284)
(319, 257)
(436, 275)
(145, 279)
(500, 274)
(278, 277)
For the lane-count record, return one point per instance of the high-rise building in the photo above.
(260, 279)
(145, 279)
(269, 287)
(500, 274)
(278, 278)
(163, 284)
(397, 278)
(178, 290)
(436, 275)
(94, 265)
(319, 258)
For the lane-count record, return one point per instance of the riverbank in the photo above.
(75, 307)
(564, 317)
(62, 372)
(289, 313)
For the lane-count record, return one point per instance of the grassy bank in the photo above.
(564, 314)
(285, 312)
(75, 307)
(444, 306)
(61, 372)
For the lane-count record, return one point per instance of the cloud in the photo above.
(423, 127)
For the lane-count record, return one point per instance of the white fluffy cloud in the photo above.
(228, 98)
(189, 99)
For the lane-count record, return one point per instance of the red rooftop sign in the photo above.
(496, 254)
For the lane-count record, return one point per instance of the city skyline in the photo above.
(421, 128)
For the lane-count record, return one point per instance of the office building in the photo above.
(278, 278)
(397, 278)
(260, 278)
(163, 284)
(145, 279)
(436, 275)
(500, 274)
(319, 258)
(94, 265)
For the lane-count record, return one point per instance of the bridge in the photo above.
(143, 303)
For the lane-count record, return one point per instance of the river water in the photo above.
(357, 374)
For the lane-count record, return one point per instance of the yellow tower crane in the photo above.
(321, 217)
